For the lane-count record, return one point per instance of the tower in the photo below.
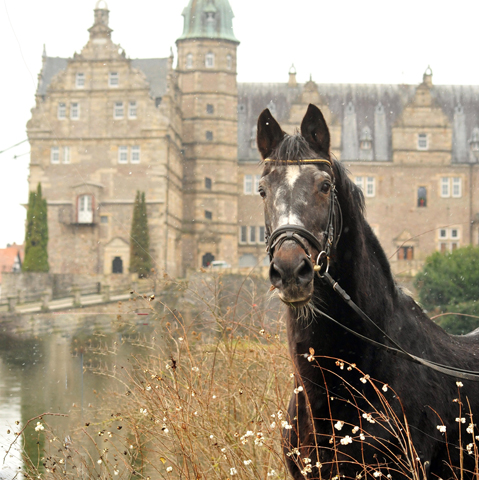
(207, 80)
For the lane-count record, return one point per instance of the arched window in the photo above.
(189, 60)
(210, 60)
(207, 259)
(85, 209)
(117, 265)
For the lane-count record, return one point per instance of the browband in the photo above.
(299, 162)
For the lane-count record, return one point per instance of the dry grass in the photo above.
(206, 399)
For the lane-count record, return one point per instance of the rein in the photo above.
(297, 234)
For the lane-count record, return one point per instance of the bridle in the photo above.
(298, 234)
(331, 238)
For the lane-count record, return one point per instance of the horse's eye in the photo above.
(262, 192)
(325, 187)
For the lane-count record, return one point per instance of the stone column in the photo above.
(76, 292)
(12, 302)
(46, 296)
(106, 292)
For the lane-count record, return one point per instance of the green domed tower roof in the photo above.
(208, 19)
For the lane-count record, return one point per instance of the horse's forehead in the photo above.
(292, 175)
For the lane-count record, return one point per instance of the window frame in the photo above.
(261, 234)
(55, 155)
(210, 109)
(209, 135)
(66, 155)
(445, 187)
(189, 61)
(370, 181)
(208, 183)
(256, 180)
(80, 80)
(456, 182)
(135, 154)
(208, 215)
(252, 235)
(210, 60)
(132, 109)
(422, 137)
(229, 61)
(62, 109)
(243, 235)
(113, 79)
(89, 203)
(75, 111)
(122, 150)
(248, 184)
(118, 110)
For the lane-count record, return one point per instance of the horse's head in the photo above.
(297, 186)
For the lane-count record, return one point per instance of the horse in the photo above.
(372, 396)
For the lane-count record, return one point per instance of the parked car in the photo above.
(219, 264)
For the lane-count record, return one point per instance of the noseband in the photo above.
(298, 234)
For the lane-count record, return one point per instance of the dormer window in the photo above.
(474, 141)
(210, 60)
(113, 79)
(80, 80)
(366, 140)
(210, 18)
(189, 60)
(422, 141)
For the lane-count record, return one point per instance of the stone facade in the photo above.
(105, 126)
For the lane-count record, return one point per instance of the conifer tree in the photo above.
(36, 234)
(140, 259)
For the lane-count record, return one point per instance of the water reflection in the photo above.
(57, 372)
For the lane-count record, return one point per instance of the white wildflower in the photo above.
(459, 384)
(460, 420)
(169, 469)
(441, 428)
(248, 462)
(346, 440)
(377, 474)
(364, 379)
(470, 448)
(355, 430)
(362, 437)
(195, 369)
(39, 427)
(272, 473)
(470, 428)
(338, 425)
(385, 387)
(233, 471)
(297, 390)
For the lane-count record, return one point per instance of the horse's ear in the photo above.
(315, 130)
(269, 133)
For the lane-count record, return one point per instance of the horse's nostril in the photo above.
(275, 274)
(304, 272)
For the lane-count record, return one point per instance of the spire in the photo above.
(100, 28)
(427, 77)
(292, 77)
(208, 19)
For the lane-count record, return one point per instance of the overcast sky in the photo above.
(348, 41)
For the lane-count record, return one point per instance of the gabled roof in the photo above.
(51, 66)
(8, 256)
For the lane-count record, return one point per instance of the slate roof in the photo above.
(254, 97)
(155, 70)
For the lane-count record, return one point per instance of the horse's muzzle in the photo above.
(291, 272)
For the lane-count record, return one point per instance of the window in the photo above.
(370, 187)
(243, 234)
(261, 236)
(80, 80)
(189, 60)
(75, 111)
(62, 111)
(208, 215)
(122, 154)
(447, 191)
(248, 184)
(422, 141)
(117, 265)
(421, 197)
(257, 178)
(208, 183)
(132, 110)
(209, 60)
(113, 79)
(229, 62)
(406, 253)
(135, 154)
(367, 185)
(448, 239)
(55, 155)
(209, 135)
(66, 155)
(118, 110)
(456, 187)
(252, 234)
(210, 109)
(85, 209)
(104, 219)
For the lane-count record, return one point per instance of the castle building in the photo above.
(105, 126)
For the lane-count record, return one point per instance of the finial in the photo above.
(310, 77)
(44, 54)
(427, 77)
(292, 69)
(101, 5)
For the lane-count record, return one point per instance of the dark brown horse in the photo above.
(341, 420)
